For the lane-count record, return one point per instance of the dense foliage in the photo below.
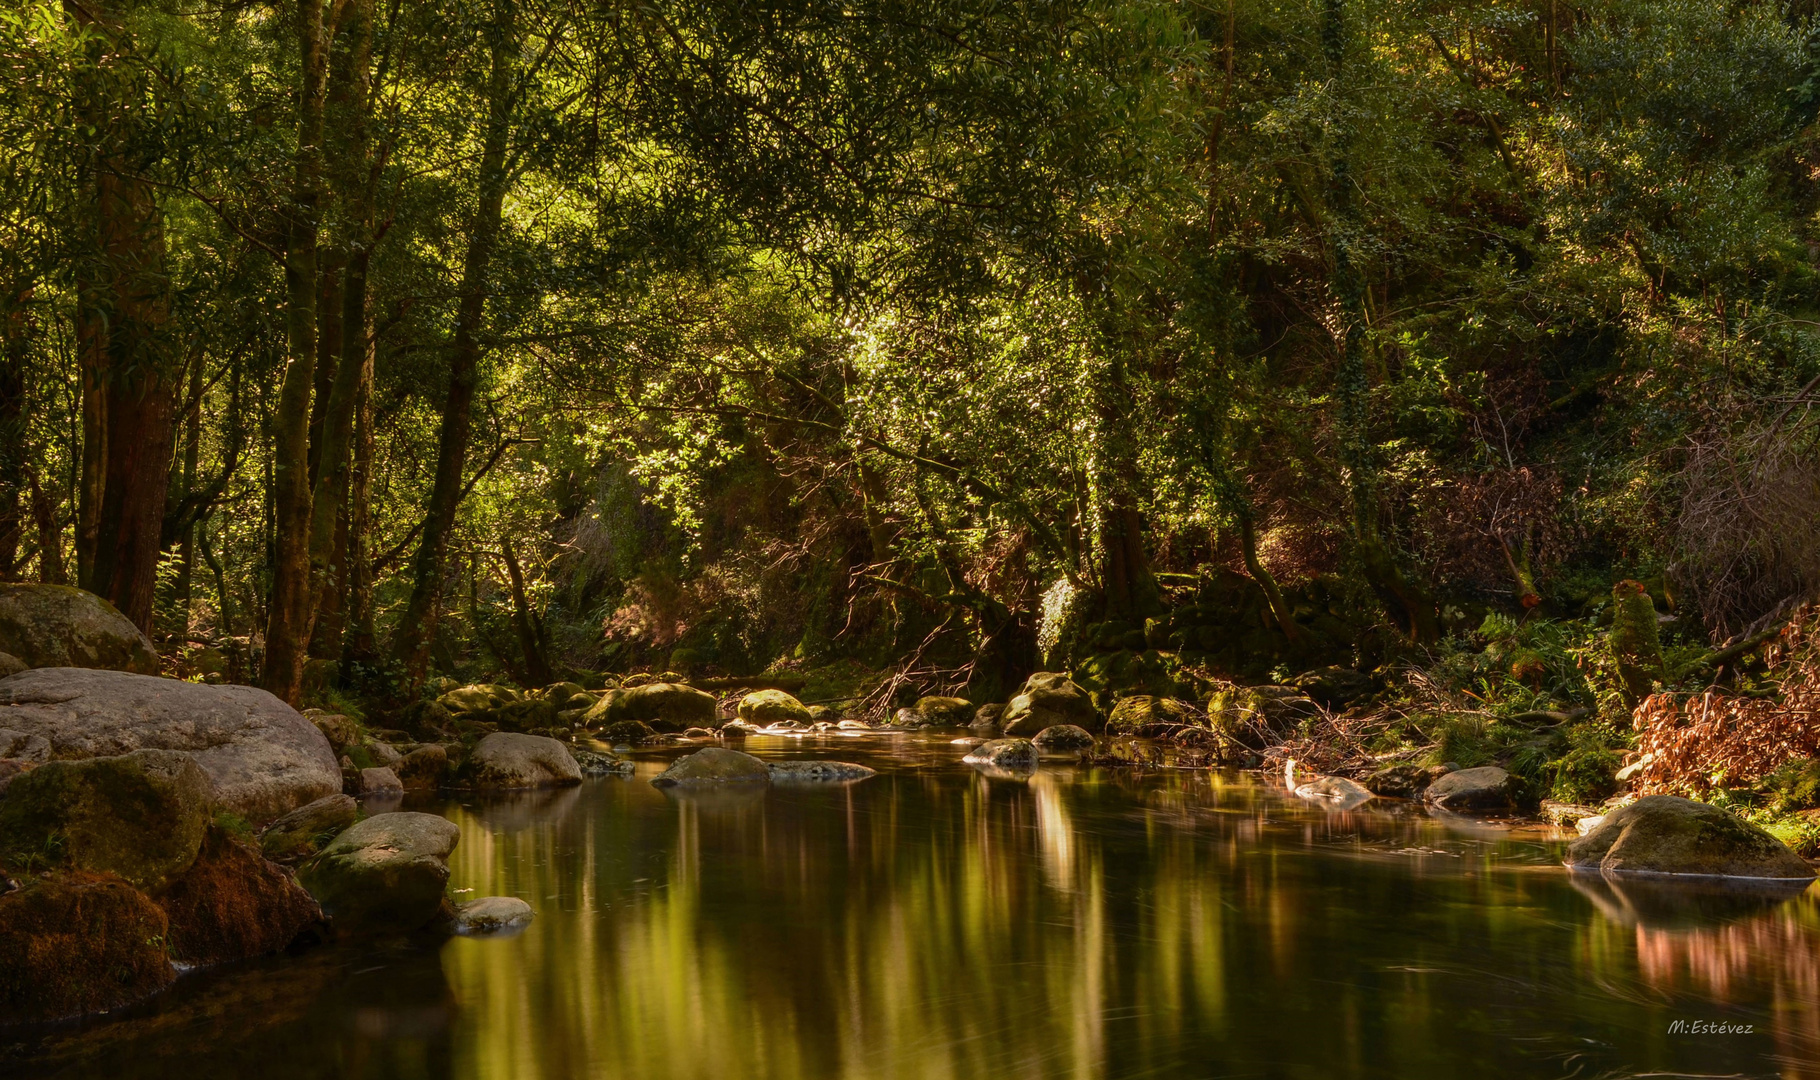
(530, 337)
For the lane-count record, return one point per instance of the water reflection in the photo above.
(937, 922)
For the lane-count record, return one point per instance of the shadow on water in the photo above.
(934, 921)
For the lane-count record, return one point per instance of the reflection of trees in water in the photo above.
(1726, 942)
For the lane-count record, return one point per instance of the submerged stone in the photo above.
(1063, 737)
(819, 771)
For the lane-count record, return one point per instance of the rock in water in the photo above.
(1398, 781)
(764, 707)
(506, 760)
(386, 874)
(1334, 791)
(48, 626)
(1046, 699)
(1662, 834)
(305, 830)
(713, 765)
(1063, 738)
(490, 915)
(664, 706)
(945, 711)
(1004, 754)
(380, 781)
(1484, 789)
(77, 943)
(594, 763)
(232, 904)
(262, 756)
(818, 771)
(423, 769)
(141, 816)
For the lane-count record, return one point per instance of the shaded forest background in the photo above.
(354, 346)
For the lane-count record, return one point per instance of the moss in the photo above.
(75, 943)
(1635, 641)
(1794, 786)
(233, 904)
(139, 815)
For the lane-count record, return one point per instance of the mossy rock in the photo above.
(74, 943)
(60, 626)
(1049, 698)
(665, 706)
(307, 829)
(945, 711)
(713, 765)
(468, 699)
(628, 732)
(507, 760)
(232, 904)
(1663, 834)
(770, 706)
(140, 816)
(1142, 710)
(384, 875)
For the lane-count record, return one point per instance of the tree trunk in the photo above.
(292, 605)
(186, 547)
(525, 621)
(1406, 602)
(13, 462)
(346, 335)
(417, 628)
(361, 642)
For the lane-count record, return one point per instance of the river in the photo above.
(932, 922)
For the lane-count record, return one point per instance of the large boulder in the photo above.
(232, 904)
(665, 706)
(76, 943)
(1048, 698)
(50, 626)
(507, 760)
(262, 756)
(386, 874)
(304, 831)
(1663, 834)
(713, 765)
(764, 707)
(1486, 789)
(140, 816)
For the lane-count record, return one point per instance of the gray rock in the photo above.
(263, 758)
(1483, 789)
(380, 781)
(305, 830)
(594, 763)
(507, 760)
(384, 753)
(1004, 754)
(1334, 791)
(19, 746)
(988, 716)
(1061, 738)
(424, 768)
(490, 915)
(713, 765)
(1662, 834)
(818, 771)
(386, 874)
(140, 815)
(1048, 698)
(50, 626)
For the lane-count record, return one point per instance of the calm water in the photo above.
(933, 923)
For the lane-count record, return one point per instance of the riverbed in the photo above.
(934, 922)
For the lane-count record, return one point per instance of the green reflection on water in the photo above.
(931, 923)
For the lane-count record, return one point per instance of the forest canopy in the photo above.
(354, 346)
